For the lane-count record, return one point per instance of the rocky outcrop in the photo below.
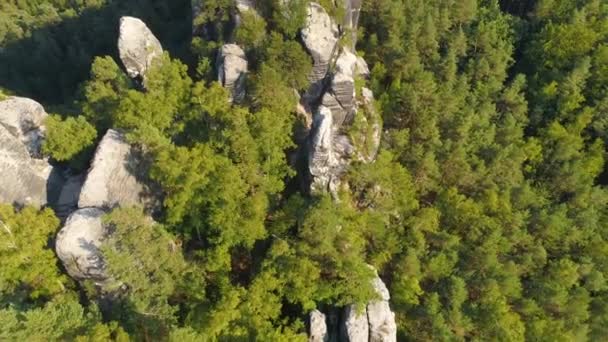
(27, 178)
(117, 177)
(340, 97)
(78, 243)
(137, 47)
(232, 69)
(333, 143)
(345, 127)
(382, 326)
(329, 153)
(320, 36)
(24, 119)
(317, 327)
(355, 327)
(375, 322)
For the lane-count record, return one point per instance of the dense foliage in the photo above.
(486, 211)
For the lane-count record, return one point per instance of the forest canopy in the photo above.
(485, 210)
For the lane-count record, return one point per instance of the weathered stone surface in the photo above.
(116, 176)
(27, 179)
(232, 68)
(137, 47)
(382, 326)
(317, 327)
(329, 153)
(78, 243)
(354, 326)
(24, 119)
(320, 36)
(24, 180)
(321, 158)
(340, 97)
(351, 15)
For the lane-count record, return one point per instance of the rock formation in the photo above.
(27, 178)
(345, 126)
(116, 177)
(382, 326)
(355, 327)
(320, 36)
(317, 327)
(375, 322)
(328, 154)
(137, 47)
(78, 243)
(232, 69)
(24, 119)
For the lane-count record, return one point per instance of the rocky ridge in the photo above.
(345, 127)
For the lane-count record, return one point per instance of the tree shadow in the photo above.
(51, 63)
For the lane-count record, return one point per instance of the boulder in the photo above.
(354, 326)
(320, 36)
(137, 47)
(232, 69)
(77, 245)
(27, 178)
(317, 331)
(117, 177)
(24, 119)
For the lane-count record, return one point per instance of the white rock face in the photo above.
(382, 326)
(374, 323)
(355, 326)
(26, 179)
(321, 157)
(24, 119)
(340, 97)
(232, 69)
(318, 327)
(78, 243)
(137, 47)
(114, 178)
(320, 36)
